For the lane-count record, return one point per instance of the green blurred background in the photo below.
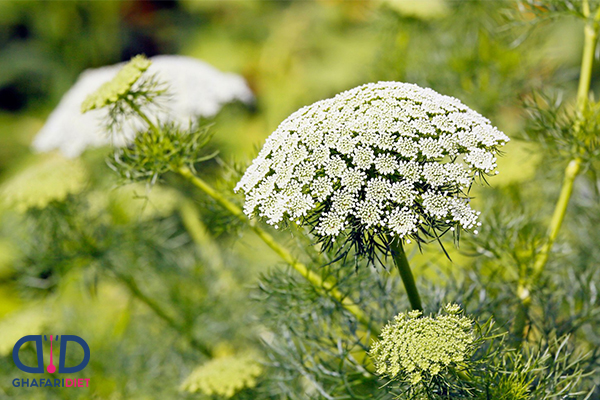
(291, 53)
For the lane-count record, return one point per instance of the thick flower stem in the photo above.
(587, 61)
(302, 269)
(399, 256)
(573, 169)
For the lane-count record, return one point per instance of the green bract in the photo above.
(119, 86)
(414, 347)
(156, 152)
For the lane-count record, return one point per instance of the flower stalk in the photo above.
(129, 282)
(190, 217)
(302, 269)
(134, 289)
(399, 256)
(311, 276)
(142, 115)
(571, 173)
(591, 31)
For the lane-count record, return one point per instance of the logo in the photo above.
(51, 368)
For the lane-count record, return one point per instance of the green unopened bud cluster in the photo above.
(51, 179)
(414, 347)
(119, 86)
(224, 376)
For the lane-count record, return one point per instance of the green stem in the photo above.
(524, 288)
(142, 115)
(573, 169)
(157, 309)
(193, 224)
(134, 289)
(587, 62)
(302, 269)
(399, 256)
(558, 217)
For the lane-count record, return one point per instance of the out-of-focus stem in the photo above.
(302, 269)
(134, 289)
(399, 256)
(162, 314)
(573, 169)
(197, 231)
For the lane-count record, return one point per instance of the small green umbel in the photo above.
(225, 376)
(414, 347)
(119, 86)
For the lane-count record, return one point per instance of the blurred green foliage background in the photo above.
(291, 53)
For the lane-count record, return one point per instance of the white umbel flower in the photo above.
(194, 89)
(387, 156)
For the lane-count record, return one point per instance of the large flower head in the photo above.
(192, 89)
(388, 159)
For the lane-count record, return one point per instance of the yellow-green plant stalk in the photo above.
(190, 218)
(301, 268)
(119, 90)
(591, 31)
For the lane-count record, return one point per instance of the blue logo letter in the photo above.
(63, 351)
(40, 355)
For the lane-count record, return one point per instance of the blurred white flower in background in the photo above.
(194, 89)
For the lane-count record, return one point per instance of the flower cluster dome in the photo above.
(224, 376)
(415, 347)
(51, 178)
(386, 156)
